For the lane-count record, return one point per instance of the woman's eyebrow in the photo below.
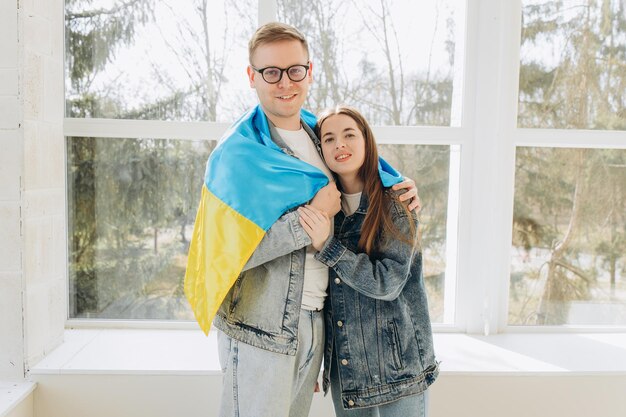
(347, 129)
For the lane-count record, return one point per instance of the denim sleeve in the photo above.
(382, 278)
(285, 236)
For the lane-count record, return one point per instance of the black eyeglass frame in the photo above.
(261, 71)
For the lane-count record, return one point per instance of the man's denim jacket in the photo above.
(262, 308)
(376, 315)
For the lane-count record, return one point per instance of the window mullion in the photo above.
(570, 138)
(489, 164)
(153, 129)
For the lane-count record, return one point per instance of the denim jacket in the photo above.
(262, 308)
(376, 315)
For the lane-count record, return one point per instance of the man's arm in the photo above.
(287, 235)
(410, 195)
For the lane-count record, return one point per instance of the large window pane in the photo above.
(573, 64)
(131, 211)
(158, 59)
(569, 237)
(430, 166)
(131, 206)
(394, 60)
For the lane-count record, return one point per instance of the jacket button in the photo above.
(337, 281)
(344, 361)
(340, 323)
(351, 403)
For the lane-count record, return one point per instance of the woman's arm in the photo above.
(316, 224)
(382, 278)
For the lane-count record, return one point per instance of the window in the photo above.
(435, 169)
(569, 241)
(133, 184)
(395, 64)
(572, 65)
(131, 206)
(158, 60)
(517, 146)
(569, 222)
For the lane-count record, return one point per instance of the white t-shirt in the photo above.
(315, 272)
(350, 202)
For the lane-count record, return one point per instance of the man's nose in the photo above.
(285, 81)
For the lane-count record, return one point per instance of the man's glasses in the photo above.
(272, 75)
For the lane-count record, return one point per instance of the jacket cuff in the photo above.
(332, 251)
(300, 236)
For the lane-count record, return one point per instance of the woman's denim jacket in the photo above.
(376, 314)
(262, 308)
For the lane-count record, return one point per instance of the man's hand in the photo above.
(410, 195)
(328, 199)
(316, 224)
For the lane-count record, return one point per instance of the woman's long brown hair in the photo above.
(378, 218)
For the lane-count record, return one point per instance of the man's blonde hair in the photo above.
(275, 32)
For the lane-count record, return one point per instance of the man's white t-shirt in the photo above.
(315, 272)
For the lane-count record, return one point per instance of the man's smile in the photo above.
(287, 97)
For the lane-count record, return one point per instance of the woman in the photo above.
(379, 358)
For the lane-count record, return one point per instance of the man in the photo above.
(271, 330)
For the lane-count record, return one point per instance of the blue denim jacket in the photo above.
(376, 315)
(262, 308)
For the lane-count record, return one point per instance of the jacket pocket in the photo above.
(396, 347)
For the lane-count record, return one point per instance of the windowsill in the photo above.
(13, 393)
(189, 352)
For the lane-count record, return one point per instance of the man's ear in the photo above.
(310, 73)
(251, 74)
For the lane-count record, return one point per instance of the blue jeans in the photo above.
(411, 406)
(260, 383)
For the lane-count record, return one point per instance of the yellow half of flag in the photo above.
(218, 251)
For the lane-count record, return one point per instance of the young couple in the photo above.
(369, 321)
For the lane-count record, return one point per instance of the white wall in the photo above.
(32, 198)
(43, 213)
(451, 396)
(525, 396)
(23, 409)
(11, 167)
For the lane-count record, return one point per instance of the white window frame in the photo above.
(484, 127)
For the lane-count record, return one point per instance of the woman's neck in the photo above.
(351, 184)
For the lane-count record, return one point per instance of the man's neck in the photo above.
(292, 123)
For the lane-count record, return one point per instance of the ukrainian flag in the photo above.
(249, 183)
